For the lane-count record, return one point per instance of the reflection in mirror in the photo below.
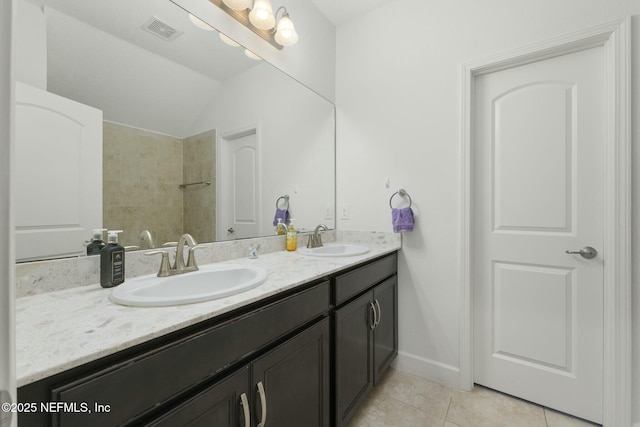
(189, 109)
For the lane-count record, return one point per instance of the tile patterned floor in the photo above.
(404, 400)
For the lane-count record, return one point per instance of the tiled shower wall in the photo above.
(142, 171)
(199, 154)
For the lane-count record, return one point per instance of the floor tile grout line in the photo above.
(544, 411)
(446, 416)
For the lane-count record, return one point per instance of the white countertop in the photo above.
(60, 330)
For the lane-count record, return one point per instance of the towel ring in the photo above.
(286, 200)
(401, 193)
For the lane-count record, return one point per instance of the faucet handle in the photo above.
(164, 264)
(192, 265)
(311, 242)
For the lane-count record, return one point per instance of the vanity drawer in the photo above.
(137, 385)
(352, 283)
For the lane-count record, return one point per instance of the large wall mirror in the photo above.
(198, 137)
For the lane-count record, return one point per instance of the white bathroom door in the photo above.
(239, 186)
(538, 311)
(58, 174)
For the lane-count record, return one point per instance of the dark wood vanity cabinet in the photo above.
(306, 357)
(296, 380)
(294, 387)
(282, 343)
(365, 335)
(222, 404)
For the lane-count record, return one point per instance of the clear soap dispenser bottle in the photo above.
(112, 262)
(292, 237)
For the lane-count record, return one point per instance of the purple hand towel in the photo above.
(402, 219)
(283, 214)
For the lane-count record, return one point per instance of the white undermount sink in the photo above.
(335, 250)
(210, 282)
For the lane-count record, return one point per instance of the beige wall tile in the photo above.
(142, 171)
(200, 200)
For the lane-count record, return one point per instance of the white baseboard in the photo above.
(429, 369)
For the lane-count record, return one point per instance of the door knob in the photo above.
(587, 252)
(231, 230)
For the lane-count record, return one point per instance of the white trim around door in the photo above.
(615, 38)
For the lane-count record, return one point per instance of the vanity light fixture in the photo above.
(261, 16)
(228, 40)
(238, 4)
(252, 55)
(285, 32)
(204, 26)
(258, 16)
(200, 23)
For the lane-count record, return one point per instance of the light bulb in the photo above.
(252, 55)
(261, 16)
(237, 4)
(286, 34)
(228, 41)
(200, 23)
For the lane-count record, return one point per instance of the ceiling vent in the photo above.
(161, 29)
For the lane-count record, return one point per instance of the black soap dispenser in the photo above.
(96, 244)
(112, 261)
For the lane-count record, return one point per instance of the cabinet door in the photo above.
(221, 405)
(295, 379)
(385, 334)
(353, 356)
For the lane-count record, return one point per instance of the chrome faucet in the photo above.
(283, 225)
(186, 239)
(145, 237)
(178, 266)
(315, 239)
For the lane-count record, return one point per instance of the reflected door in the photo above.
(539, 173)
(58, 174)
(239, 207)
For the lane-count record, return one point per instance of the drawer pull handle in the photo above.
(373, 325)
(245, 408)
(263, 404)
(379, 316)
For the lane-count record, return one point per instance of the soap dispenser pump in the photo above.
(97, 243)
(112, 262)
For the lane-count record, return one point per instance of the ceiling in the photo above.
(98, 55)
(195, 48)
(341, 11)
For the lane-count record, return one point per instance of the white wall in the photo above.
(296, 137)
(397, 97)
(131, 85)
(7, 259)
(31, 45)
(311, 61)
